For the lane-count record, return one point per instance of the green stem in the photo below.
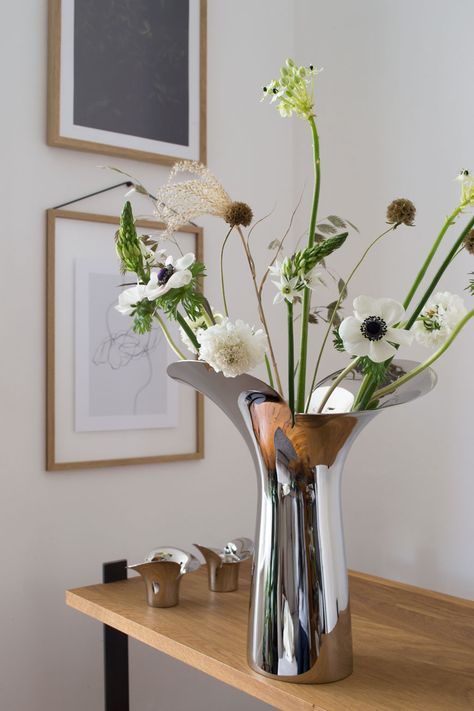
(224, 300)
(336, 382)
(452, 253)
(167, 335)
(336, 308)
(269, 372)
(291, 359)
(420, 368)
(370, 390)
(449, 221)
(188, 330)
(300, 403)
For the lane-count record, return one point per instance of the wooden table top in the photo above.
(413, 649)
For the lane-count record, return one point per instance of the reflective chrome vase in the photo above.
(299, 626)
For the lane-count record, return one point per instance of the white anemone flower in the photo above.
(438, 319)
(370, 331)
(232, 348)
(173, 275)
(129, 298)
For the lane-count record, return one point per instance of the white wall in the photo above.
(394, 120)
(395, 116)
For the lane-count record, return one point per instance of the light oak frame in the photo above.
(54, 137)
(51, 463)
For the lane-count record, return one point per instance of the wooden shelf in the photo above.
(413, 649)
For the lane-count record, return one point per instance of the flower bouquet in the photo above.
(299, 426)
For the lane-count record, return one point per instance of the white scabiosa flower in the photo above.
(196, 327)
(369, 332)
(173, 275)
(232, 348)
(129, 298)
(437, 321)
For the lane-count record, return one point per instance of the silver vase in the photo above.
(299, 624)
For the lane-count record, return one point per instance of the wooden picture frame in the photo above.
(94, 99)
(73, 237)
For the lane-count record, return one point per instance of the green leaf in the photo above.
(342, 288)
(327, 229)
(337, 221)
(337, 341)
(333, 313)
(274, 244)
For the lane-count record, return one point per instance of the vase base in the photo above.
(334, 662)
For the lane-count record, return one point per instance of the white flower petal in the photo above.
(185, 261)
(379, 351)
(391, 311)
(365, 306)
(349, 330)
(400, 336)
(179, 279)
(360, 348)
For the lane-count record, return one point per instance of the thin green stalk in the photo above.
(188, 330)
(449, 221)
(336, 382)
(300, 402)
(338, 303)
(167, 335)
(224, 300)
(434, 283)
(422, 366)
(269, 371)
(291, 359)
(369, 391)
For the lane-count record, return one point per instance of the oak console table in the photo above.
(413, 649)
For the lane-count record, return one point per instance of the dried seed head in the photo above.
(469, 242)
(238, 213)
(401, 211)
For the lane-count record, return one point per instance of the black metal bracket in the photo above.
(116, 676)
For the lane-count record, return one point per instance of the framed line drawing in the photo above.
(128, 78)
(109, 399)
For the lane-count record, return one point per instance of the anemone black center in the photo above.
(165, 273)
(374, 328)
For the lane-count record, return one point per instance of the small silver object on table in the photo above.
(223, 566)
(162, 572)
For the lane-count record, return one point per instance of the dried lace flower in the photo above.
(437, 321)
(238, 213)
(469, 242)
(178, 203)
(401, 211)
(232, 348)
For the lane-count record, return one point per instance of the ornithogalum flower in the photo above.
(293, 90)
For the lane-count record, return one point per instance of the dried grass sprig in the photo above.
(180, 202)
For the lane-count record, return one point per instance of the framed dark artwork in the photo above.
(128, 78)
(109, 399)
